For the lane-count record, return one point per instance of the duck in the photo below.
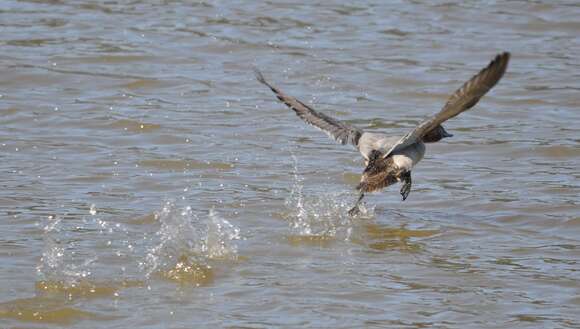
(391, 159)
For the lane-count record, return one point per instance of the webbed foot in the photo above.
(406, 188)
(356, 209)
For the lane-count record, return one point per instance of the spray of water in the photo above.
(60, 259)
(186, 243)
(180, 250)
(320, 214)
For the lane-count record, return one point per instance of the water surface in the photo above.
(148, 181)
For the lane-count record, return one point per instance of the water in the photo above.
(148, 181)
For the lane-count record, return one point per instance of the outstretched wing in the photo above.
(463, 99)
(340, 131)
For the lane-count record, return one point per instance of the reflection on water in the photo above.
(187, 272)
(379, 237)
(109, 108)
(44, 310)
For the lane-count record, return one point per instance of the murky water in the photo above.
(148, 181)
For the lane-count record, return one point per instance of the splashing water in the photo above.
(187, 243)
(321, 215)
(59, 260)
(69, 262)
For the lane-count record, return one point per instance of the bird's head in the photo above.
(436, 134)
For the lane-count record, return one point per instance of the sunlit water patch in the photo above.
(387, 237)
(187, 244)
(84, 288)
(44, 310)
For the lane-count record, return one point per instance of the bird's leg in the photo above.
(356, 209)
(406, 188)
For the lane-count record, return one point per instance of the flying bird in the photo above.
(390, 159)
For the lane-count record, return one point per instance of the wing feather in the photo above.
(339, 131)
(461, 100)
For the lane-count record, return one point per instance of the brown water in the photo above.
(148, 181)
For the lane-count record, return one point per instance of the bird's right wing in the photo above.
(339, 131)
(462, 99)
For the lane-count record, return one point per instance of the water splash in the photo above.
(186, 243)
(66, 268)
(69, 258)
(60, 260)
(220, 236)
(324, 215)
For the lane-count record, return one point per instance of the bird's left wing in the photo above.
(339, 131)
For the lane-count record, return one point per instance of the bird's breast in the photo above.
(408, 157)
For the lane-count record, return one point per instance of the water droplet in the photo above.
(93, 210)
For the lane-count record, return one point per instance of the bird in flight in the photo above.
(390, 159)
